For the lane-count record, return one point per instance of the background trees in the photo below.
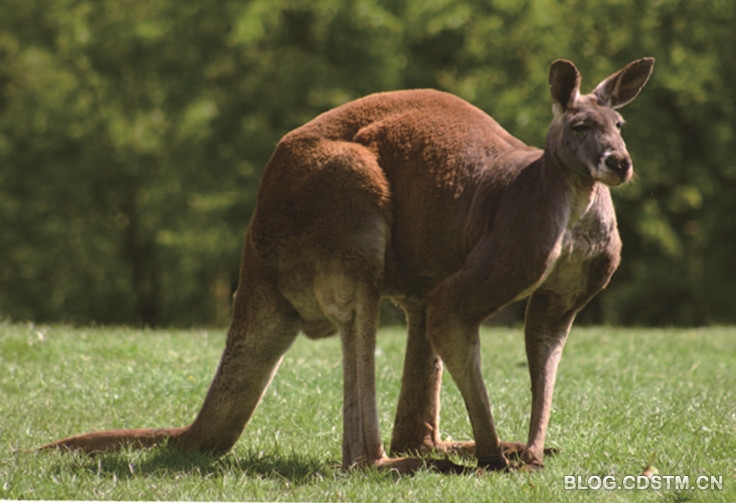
(133, 135)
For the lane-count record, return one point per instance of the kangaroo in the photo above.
(419, 196)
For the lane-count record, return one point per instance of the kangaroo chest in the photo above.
(580, 245)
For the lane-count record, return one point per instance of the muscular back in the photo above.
(422, 155)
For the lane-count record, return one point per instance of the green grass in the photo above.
(622, 395)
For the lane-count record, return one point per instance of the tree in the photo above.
(133, 135)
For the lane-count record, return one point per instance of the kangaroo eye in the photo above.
(619, 124)
(580, 127)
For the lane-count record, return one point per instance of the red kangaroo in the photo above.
(419, 196)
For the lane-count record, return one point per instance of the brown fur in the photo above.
(422, 197)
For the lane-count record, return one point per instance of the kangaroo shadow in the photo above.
(165, 463)
(298, 468)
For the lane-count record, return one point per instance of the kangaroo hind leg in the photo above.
(353, 307)
(417, 423)
(416, 427)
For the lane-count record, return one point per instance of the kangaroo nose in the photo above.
(618, 163)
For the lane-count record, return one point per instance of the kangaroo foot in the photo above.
(512, 451)
(409, 466)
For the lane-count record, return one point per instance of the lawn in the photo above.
(624, 398)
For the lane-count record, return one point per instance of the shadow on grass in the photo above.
(165, 463)
(297, 468)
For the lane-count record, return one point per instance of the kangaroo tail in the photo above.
(114, 440)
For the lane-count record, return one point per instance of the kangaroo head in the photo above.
(585, 134)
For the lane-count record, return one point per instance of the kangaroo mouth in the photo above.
(615, 178)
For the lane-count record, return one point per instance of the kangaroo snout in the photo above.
(619, 164)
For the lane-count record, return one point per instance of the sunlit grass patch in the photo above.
(624, 397)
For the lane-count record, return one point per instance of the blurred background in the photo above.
(133, 134)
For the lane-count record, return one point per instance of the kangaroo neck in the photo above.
(579, 190)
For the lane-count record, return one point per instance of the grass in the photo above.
(623, 395)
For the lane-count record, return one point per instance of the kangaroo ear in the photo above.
(623, 86)
(564, 82)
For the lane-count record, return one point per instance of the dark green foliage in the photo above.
(133, 135)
